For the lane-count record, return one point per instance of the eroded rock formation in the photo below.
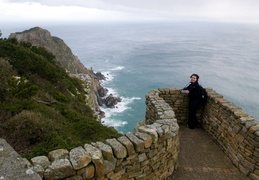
(67, 60)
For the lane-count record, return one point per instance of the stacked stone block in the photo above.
(149, 153)
(235, 132)
(177, 101)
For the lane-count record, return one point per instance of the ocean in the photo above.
(139, 57)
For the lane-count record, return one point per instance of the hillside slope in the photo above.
(42, 107)
(64, 58)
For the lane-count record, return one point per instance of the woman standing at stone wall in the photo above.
(194, 92)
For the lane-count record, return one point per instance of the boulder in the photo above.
(43, 161)
(13, 166)
(99, 76)
(79, 158)
(88, 172)
(58, 154)
(119, 150)
(59, 169)
(111, 101)
(102, 91)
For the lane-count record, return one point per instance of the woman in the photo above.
(194, 92)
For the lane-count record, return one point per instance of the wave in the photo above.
(110, 113)
(110, 75)
(118, 68)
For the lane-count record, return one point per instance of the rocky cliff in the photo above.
(64, 56)
(67, 60)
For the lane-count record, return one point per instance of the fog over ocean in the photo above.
(139, 57)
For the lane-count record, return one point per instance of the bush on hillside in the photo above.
(42, 108)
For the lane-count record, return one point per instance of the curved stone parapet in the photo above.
(235, 131)
(150, 152)
(230, 127)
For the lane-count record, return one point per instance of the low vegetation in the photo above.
(42, 108)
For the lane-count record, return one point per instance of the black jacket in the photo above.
(194, 91)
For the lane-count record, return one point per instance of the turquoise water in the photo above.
(139, 57)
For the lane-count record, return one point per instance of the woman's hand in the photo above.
(184, 91)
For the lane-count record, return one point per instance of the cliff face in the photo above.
(64, 58)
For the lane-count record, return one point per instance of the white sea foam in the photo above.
(108, 120)
(122, 106)
(118, 68)
(112, 91)
(110, 75)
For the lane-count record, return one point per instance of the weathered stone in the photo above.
(75, 178)
(13, 166)
(59, 169)
(117, 174)
(167, 121)
(58, 154)
(138, 143)
(107, 167)
(102, 91)
(106, 150)
(119, 150)
(88, 172)
(254, 176)
(111, 101)
(79, 158)
(239, 138)
(166, 129)
(146, 138)
(152, 153)
(157, 128)
(149, 131)
(97, 159)
(38, 169)
(250, 123)
(142, 157)
(128, 144)
(168, 114)
(254, 128)
(40, 160)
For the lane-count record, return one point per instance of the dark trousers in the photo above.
(192, 119)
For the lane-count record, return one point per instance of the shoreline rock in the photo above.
(101, 94)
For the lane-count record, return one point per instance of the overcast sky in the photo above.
(129, 10)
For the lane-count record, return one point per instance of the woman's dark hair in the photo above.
(197, 76)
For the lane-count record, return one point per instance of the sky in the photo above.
(129, 10)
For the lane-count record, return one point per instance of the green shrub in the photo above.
(28, 126)
(41, 107)
(22, 88)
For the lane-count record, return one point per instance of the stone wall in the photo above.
(233, 130)
(149, 153)
(178, 102)
(236, 132)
